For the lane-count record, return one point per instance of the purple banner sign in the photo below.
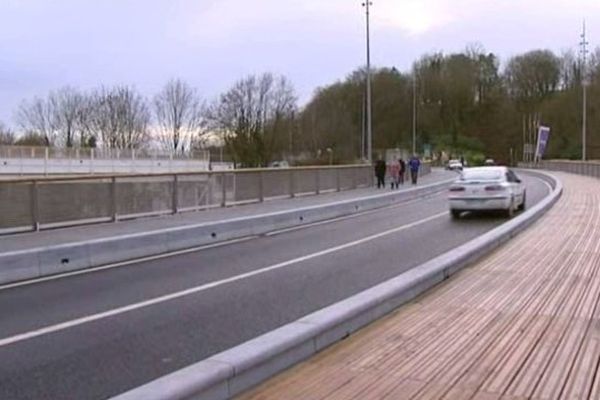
(542, 141)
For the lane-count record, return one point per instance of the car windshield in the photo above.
(481, 175)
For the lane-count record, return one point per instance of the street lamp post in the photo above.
(414, 119)
(584, 52)
(366, 4)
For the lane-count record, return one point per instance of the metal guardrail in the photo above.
(41, 203)
(587, 168)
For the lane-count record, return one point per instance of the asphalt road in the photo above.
(98, 334)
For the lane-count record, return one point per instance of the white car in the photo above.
(454, 165)
(487, 188)
(279, 164)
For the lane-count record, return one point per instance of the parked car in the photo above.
(489, 162)
(454, 165)
(279, 164)
(487, 188)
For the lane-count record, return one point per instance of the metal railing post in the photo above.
(261, 187)
(292, 184)
(46, 161)
(35, 206)
(113, 199)
(132, 160)
(21, 162)
(92, 161)
(317, 181)
(210, 197)
(175, 201)
(223, 189)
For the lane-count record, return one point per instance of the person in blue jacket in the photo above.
(414, 164)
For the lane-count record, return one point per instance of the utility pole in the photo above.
(414, 116)
(362, 127)
(584, 43)
(366, 4)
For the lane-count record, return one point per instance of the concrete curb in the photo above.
(231, 372)
(50, 260)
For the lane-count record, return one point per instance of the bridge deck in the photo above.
(522, 323)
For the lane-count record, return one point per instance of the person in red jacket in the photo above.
(395, 173)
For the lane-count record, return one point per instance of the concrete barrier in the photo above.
(50, 260)
(231, 372)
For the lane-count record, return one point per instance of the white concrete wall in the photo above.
(41, 166)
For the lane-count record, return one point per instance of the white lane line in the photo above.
(157, 300)
(125, 263)
(355, 215)
(198, 248)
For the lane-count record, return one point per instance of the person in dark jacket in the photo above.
(402, 170)
(414, 164)
(380, 173)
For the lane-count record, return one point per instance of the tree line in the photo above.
(465, 103)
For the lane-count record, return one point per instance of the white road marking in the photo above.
(161, 299)
(358, 214)
(125, 263)
(198, 248)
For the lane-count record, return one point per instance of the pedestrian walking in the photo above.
(414, 164)
(395, 173)
(402, 171)
(380, 173)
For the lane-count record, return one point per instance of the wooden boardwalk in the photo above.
(523, 323)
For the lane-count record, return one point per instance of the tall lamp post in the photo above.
(366, 4)
(584, 52)
(414, 116)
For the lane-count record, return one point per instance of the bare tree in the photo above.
(254, 115)
(56, 118)
(178, 115)
(7, 136)
(66, 111)
(118, 117)
(35, 117)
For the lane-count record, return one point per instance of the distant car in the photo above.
(454, 165)
(489, 162)
(280, 164)
(487, 188)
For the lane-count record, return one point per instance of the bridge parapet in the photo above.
(587, 168)
(50, 202)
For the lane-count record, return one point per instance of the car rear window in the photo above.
(481, 175)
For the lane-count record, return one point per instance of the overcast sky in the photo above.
(46, 44)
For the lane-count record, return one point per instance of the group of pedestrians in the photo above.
(396, 169)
